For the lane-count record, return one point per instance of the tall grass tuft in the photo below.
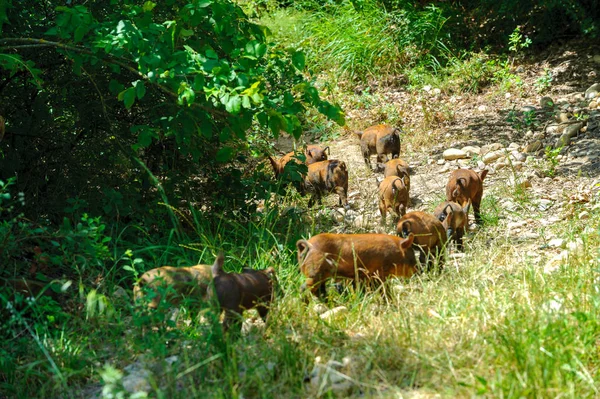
(364, 42)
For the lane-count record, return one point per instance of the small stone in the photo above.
(527, 108)
(557, 243)
(592, 91)
(538, 136)
(480, 164)
(120, 292)
(492, 156)
(441, 161)
(330, 313)
(544, 204)
(534, 146)
(454, 153)
(563, 141)
(593, 104)
(584, 215)
(518, 165)
(515, 225)
(490, 148)
(520, 181)
(573, 130)
(500, 165)
(471, 150)
(519, 156)
(562, 117)
(546, 102)
(513, 146)
(547, 180)
(445, 169)
(482, 108)
(319, 308)
(137, 382)
(554, 129)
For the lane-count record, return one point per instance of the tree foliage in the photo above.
(99, 94)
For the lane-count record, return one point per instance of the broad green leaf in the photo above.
(224, 154)
(127, 96)
(80, 31)
(115, 87)
(148, 6)
(198, 84)
(234, 104)
(140, 89)
(298, 60)
(246, 102)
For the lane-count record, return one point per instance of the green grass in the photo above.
(493, 325)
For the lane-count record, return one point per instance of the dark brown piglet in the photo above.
(429, 234)
(237, 292)
(380, 140)
(465, 185)
(327, 177)
(454, 219)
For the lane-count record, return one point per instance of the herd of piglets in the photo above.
(327, 256)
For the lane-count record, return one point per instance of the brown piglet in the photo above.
(313, 153)
(396, 167)
(393, 193)
(237, 292)
(454, 219)
(178, 282)
(380, 140)
(326, 177)
(354, 256)
(429, 234)
(465, 185)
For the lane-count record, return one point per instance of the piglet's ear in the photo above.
(408, 241)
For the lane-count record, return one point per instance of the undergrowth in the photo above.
(494, 324)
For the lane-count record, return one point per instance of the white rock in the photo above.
(557, 243)
(534, 146)
(584, 215)
(454, 153)
(492, 156)
(471, 150)
(500, 165)
(592, 91)
(480, 164)
(330, 313)
(319, 308)
(517, 165)
(544, 204)
(137, 381)
(441, 161)
(482, 108)
(513, 146)
(576, 247)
